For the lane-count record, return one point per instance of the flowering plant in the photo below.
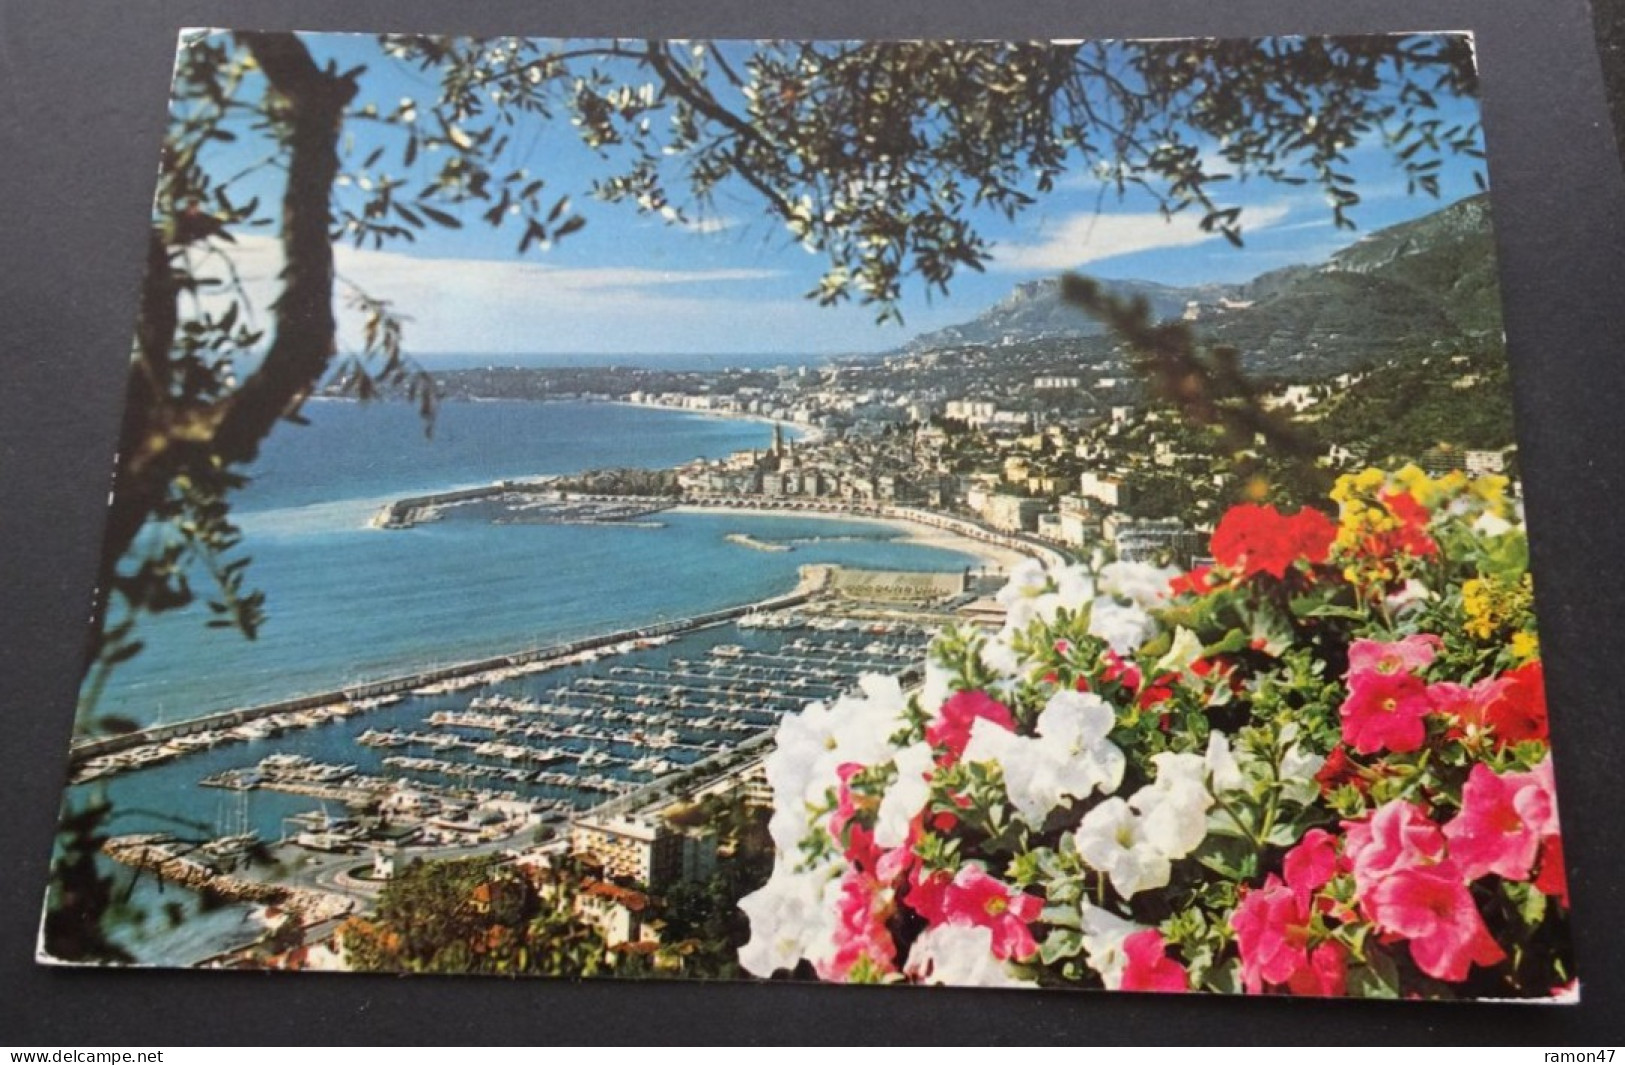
(1317, 766)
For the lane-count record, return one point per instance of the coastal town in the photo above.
(608, 776)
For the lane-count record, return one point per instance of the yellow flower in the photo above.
(1525, 646)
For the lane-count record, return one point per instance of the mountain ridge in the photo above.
(1421, 281)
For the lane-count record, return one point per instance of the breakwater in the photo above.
(162, 856)
(814, 579)
(525, 502)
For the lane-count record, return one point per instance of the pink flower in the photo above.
(975, 898)
(857, 842)
(1399, 836)
(1403, 656)
(1326, 974)
(1503, 821)
(860, 932)
(1149, 968)
(1272, 934)
(952, 727)
(1465, 705)
(927, 893)
(1385, 711)
(1433, 909)
(1310, 865)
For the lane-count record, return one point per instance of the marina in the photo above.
(494, 756)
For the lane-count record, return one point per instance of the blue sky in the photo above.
(732, 280)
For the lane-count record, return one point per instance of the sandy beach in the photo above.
(993, 556)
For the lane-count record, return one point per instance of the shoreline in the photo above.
(992, 556)
(809, 434)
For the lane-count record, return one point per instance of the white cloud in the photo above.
(710, 224)
(503, 307)
(1091, 237)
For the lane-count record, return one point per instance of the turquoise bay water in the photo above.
(347, 603)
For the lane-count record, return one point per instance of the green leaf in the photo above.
(1377, 978)
(1061, 943)
(435, 214)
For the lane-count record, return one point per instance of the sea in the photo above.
(347, 603)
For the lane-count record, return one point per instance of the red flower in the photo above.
(1149, 968)
(1431, 907)
(1465, 706)
(857, 842)
(1195, 582)
(952, 727)
(1553, 878)
(1385, 711)
(1158, 691)
(1412, 536)
(1326, 974)
(1519, 713)
(1252, 539)
(975, 898)
(1116, 669)
(1339, 770)
(927, 889)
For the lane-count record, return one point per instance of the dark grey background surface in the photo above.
(82, 93)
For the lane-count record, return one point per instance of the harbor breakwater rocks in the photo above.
(157, 854)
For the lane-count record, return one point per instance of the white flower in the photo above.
(1489, 525)
(1186, 649)
(1036, 594)
(812, 745)
(791, 916)
(1173, 820)
(1221, 764)
(1073, 728)
(936, 688)
(958, 956)
(1123, 627)
(990, 743)
(1412, 592)
(1070, 756)
(1103, 935)
(1112, 841)
(1027, 581)
(1142, 583)
(1298, 769)
(906, 797)
(1174, 807)
(998, 655)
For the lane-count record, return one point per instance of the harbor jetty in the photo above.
(89, 758)
(163, 856)
(522, 502)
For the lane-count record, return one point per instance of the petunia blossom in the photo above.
(1272, 935)
(1148, 967)
(1504, 819)
(1409, 655)
(975, 898)
(1432, 908)
(1385, 711)
(952, 727)
(1112, 840)
(958, 956)
(791, 917)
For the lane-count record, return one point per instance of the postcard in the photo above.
(993, 513)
